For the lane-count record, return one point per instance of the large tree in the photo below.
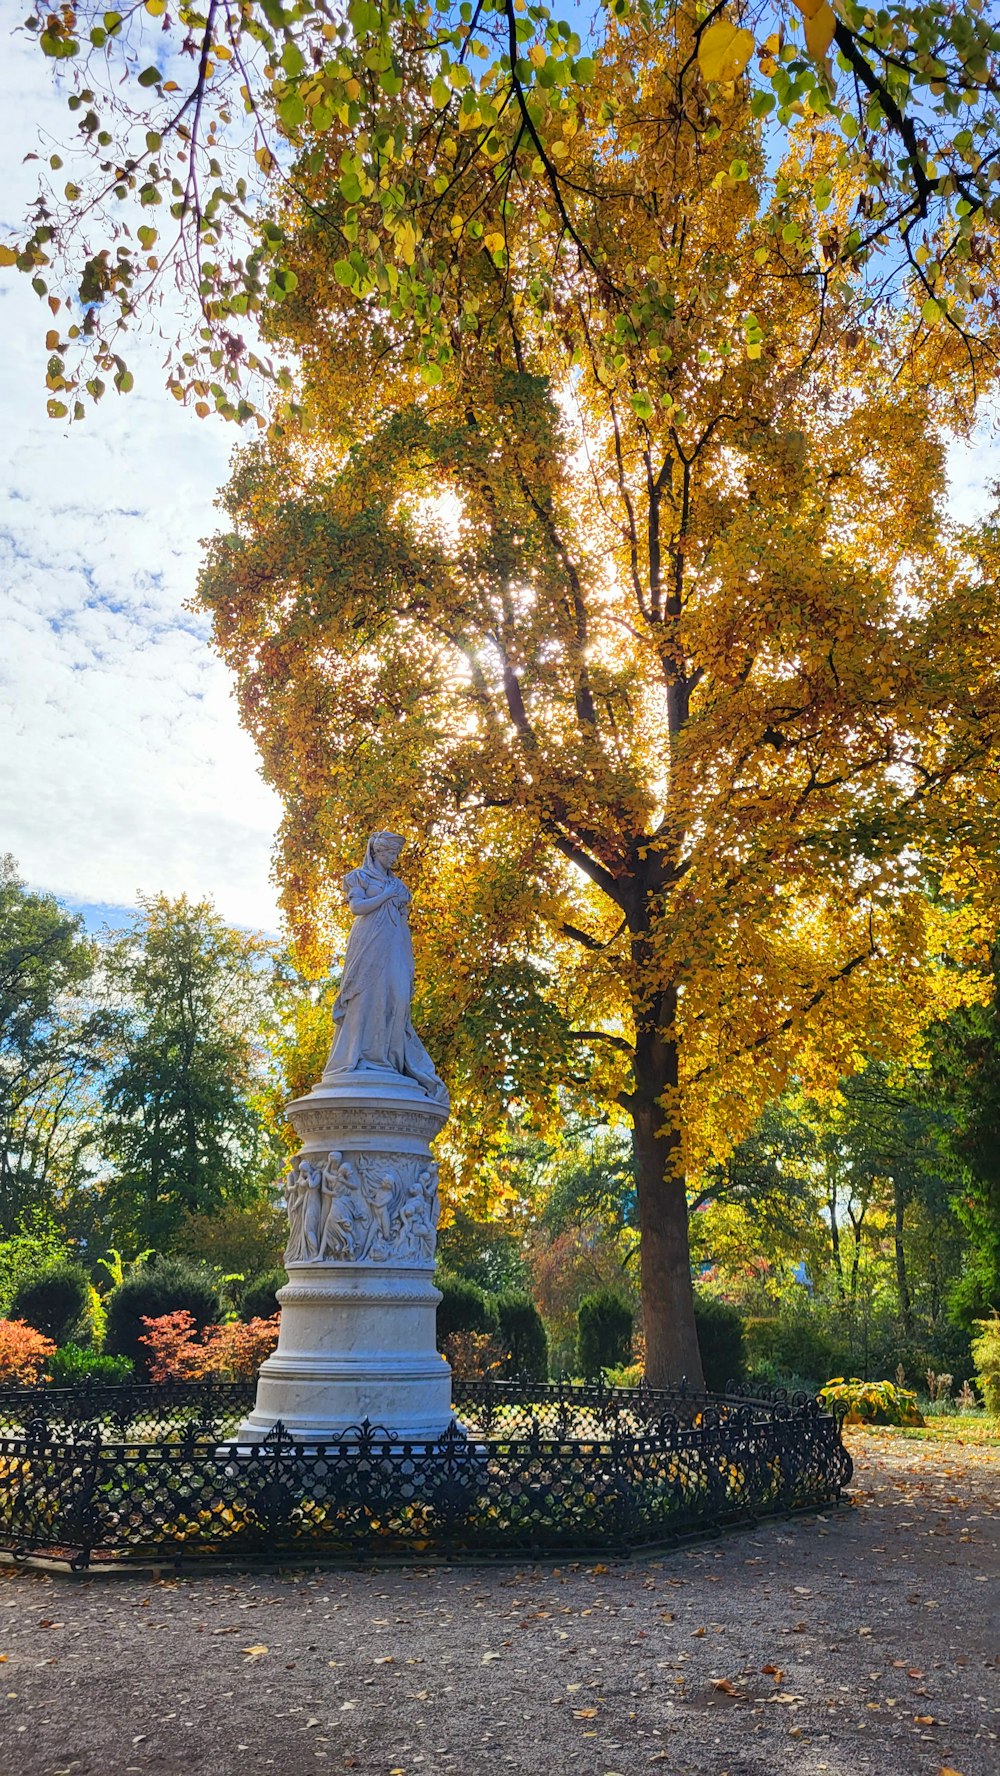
(187, 120)
(51, 1052)
(183, 1129)
(646, 619)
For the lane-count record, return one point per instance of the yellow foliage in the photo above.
(724, 50)
(659, 647)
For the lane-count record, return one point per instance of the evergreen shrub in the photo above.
(521, 1333)
(164, 1286)
(54, 1301)
(256, 1299)
(463, 1307)
(720, 1340)
(603, 1333)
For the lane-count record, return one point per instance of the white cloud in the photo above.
(122, 765)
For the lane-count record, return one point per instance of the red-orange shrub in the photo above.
(234, 1352)
(23, 1352)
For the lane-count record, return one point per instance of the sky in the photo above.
(123, 769)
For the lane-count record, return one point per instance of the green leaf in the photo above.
(641, 404)
(292, 60)
(345, 273)
(292, 111)
(150, 77)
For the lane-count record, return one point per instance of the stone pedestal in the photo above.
(358, 1312)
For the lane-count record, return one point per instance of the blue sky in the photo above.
(123, 769)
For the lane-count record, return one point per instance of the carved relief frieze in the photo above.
(379, 1208)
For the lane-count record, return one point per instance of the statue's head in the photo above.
(384, 848)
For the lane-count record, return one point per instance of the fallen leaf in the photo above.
(487, 1657)
(255, 1652)
(774, 1671)
(924, 1720)
(698, 1634)
(946, 1770)
(585, 1714)
(728, 1688)
(387, 1659)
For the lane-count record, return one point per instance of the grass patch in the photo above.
(953, 1427)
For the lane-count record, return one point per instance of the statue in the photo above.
(339, 1192)
(304, 1203)
(372, 1022)
(418, 1220)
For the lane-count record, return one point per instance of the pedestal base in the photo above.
(356, 1342)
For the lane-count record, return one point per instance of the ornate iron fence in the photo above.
(130, 1474)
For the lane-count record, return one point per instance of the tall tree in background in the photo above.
(965, 1063)
(646, 618)
(50, 1052)
(183, 1130)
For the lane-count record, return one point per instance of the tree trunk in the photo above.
(667, 1296)
(902, 1282)
(838, 1263)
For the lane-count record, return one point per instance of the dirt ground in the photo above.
(866, 1640)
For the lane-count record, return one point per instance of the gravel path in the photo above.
(868, 1640)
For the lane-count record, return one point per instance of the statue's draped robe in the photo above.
(372, 1022)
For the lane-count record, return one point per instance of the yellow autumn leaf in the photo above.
(819, 30)
(255, 1652)
(724, 51)
(8, 256)
(809, 8)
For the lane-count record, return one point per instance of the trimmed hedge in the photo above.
(257, 1297)
(720, 1340)
(463, 1307)
(796, 1345)
(162, 1287)
(54, 1301)
(603, 1333)
(521, 1331)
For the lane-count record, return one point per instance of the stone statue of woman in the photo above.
(372, 1022)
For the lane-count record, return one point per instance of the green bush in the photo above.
(986, 1350)
(54, 1301)
(872, 1402)
(720, 1340)
(70, 1364)
(256, 1299)
(521, 1332)
(627, 1375)
(796, 1344)
(883, 1345)
(603, 1333)
(161, 1287)
(463, 1307)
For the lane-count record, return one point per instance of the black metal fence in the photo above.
(95, 1475)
